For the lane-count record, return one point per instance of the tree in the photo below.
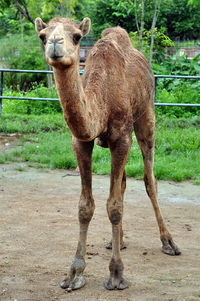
(65, 9)
(180, 19)
(22, 7)
(195, 3)
(155, 17)
(105, 13)
(130, 14)
(24, 11)
(140, 27)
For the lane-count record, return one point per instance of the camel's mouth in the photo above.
(57, 54)
(56, 57)
(59, 60)
(55, 51)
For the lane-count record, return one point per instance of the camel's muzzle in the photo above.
(55, 50)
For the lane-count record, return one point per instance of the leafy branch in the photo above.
(21, 6)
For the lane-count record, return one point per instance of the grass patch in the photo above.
(16, 123)
(20, 168)
(46, 150)
(47, 144)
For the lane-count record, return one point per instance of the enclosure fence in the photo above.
(2, 71)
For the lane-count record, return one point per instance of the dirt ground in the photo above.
(39, 232)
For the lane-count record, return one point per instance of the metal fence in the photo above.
(2, 71)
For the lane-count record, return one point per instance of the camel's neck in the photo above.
(80, 112)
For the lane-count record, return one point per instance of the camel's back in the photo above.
(117, 70)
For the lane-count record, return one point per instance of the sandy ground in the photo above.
(39, 232)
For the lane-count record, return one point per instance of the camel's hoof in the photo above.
(114, 283)
(169, 247)
(73, 284)
(109, 246)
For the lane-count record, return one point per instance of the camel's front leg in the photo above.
(122, 244)
(83, 152)
(119, 155)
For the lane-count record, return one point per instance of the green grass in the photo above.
(37, 107)
(46, 143)
(177, 153)
(15, 123)
(20, 168)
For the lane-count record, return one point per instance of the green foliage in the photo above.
(180, 19)
(32, 106)
(105, 13)
(22, 52)
(134, 37)
(160, 42)
(8, 21)
(178, 90)
(168, 90)
(181, 65)
(180, 93)
(57, 8)
(194, 3)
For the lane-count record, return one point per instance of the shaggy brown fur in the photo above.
(113, 98)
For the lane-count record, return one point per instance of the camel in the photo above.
(112, 98)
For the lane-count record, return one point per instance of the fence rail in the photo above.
(2, 71)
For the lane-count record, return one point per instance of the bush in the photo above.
(32, 106)
(22, 52)
(181, 92)
(178, 90)
(160, 42)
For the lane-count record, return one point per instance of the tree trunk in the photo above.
(155, 17)
(49, 75)
(141, 27)
(62, 9)
(68, 8)
(21, 6)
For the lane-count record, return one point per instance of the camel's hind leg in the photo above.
(145, 134)
(83, 152)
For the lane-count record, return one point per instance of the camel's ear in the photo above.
(39, 25)
(85, 26)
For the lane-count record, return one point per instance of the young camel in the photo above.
(113, 98)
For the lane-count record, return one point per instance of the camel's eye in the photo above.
(77, 37)
(43, 38)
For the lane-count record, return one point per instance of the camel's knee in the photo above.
(115, 210)
(86, 210)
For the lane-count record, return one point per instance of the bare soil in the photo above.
(39, 232)
(8, 141)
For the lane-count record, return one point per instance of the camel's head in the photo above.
(61, 39)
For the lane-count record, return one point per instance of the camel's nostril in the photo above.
(60, 41)
(56, 41)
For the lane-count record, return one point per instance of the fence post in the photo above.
(1, 92)
(154, 93)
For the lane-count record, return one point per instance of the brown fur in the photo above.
(113, 98)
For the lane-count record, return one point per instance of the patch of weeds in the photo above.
(20, 168)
